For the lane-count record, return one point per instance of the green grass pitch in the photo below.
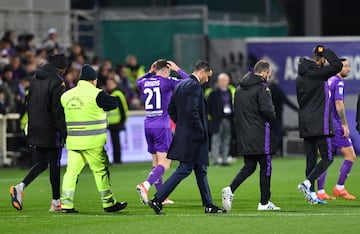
(187, 214)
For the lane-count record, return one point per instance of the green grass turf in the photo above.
(187, 214)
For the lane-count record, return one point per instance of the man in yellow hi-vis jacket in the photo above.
(84, 108)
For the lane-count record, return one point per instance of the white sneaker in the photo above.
(268, 206)
(143, 193)
(55, 206)
(227, 197)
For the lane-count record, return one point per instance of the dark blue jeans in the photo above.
(183, 171)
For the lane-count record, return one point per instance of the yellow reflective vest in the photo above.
(85, 121)
(115, 116)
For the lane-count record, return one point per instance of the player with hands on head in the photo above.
(315, 117)
(157, 90)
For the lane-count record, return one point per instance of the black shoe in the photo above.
(69, 211)
(212, 209)
(116, 207)
(156, 206)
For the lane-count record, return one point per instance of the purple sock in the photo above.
(155, 174)
(321, 180)
(344, 171)
(158, 183)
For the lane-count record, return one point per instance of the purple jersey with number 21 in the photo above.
(157, 93)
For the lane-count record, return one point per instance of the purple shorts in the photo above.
(158, 139)
(338, 141)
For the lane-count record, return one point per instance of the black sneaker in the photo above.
(69, 211)
(212, 209)
(156, 206)
(116, 207)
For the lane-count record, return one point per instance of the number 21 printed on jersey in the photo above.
(152, 99)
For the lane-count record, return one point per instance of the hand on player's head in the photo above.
(319, 50)
(173, 65)
(152, 68)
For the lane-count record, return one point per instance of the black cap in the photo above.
(319, 50)
(88, 73)
(58, 61)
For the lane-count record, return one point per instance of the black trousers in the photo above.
(250, 162)
(43, 157)
(115, 140)
(314, 169)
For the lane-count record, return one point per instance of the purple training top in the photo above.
(336, 87)
(157, 91)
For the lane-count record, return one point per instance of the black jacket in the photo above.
(254, 114)
(47, 126)
(315, 118)
(216, 108)
(187, 108)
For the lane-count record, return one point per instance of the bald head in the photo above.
(223, 80)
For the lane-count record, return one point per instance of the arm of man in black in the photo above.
(266, 106)
(334, 67)
(107, 102)
(172, 108)
(57, 110)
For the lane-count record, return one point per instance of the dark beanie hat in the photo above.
(88, 73)
(58, 61)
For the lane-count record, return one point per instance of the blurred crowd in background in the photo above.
(20, 57)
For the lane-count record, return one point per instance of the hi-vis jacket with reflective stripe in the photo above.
(118, 115)
(85, 121)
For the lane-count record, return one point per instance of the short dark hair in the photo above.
(262, 66)
(202, 64)
(160, 64)
(343, 59)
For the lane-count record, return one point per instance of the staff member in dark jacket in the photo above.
(220, 103)
(46, 128)
(315, 119)
(190, 144)
(279, 99)
(254, 114)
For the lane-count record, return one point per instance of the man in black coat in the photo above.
(315, 117)
(190, 144)
(279, 99)
(46, 128)
(254, 116)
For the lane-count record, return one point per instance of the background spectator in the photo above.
(134, 70)
(51, 43)
(279, 99)
(2, 102)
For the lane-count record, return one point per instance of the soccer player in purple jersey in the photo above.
(341, 139)
(157, 90)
